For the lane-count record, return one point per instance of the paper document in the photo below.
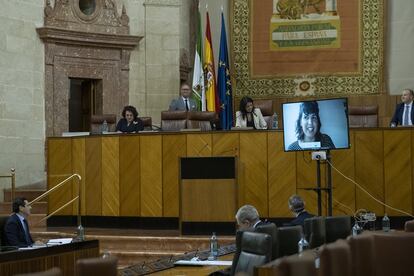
(59, 241)
(190, 262)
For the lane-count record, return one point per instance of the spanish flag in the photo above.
(211, 97)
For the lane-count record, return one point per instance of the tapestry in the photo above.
(317, 48)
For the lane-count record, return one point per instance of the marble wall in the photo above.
(22, 121)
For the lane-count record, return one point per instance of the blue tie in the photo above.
(186, 105)
(406, 111)
(26, 232)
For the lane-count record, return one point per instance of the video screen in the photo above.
(316, 125)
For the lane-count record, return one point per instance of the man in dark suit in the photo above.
(297, 206)
(404, 114)
(184, 102)
(16, 230)
(247, 217)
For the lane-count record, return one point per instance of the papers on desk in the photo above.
(52, 242)
(74, 134)
(34, 246)
(196, 262)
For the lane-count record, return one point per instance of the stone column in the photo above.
(162, 54)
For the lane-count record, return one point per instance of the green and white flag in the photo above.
(199, 93)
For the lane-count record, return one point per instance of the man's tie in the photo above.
(186, 104)
(406, 111)
(26, 232)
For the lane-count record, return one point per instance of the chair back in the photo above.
(362, 254)
(271, 230)
(97, 121)
(3, 220)
(303, 265)
(337, 228)
(200, 119)
(266, 107)
(147, 122)
(97, 266)
(239, 235)
(256, 250)
(55, 271)
(393, 253)
(315, 231)
(409, 226)
(363, 116)
(288, 238)
(173, 120)
(335, 259)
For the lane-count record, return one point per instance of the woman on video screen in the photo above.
(308, 127)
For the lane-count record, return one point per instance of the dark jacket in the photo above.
(300, 219)
(135, 126)
(397, 119)
(14, 234)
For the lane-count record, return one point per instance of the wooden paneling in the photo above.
(204, 200)
(253, 155)
(226, 144)
(93, 176)
(129, 176)
(199, 145)
(78, 166)
(281, 175)
(306, 177)
(110, 176)
(174, 147)
(397, 171)
(147, 168)
(41, 259)
(369, 170)
(343, 189)
(151, 175)
(59, 168)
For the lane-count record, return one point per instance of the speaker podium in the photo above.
(208, 195)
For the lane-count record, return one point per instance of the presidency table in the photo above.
(137, 175)
(40, 259)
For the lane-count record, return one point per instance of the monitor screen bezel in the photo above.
(317, 149)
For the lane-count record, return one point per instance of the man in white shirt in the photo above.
(184, 102)
(403, 114)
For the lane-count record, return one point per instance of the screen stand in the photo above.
(318, 189)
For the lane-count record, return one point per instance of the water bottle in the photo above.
(80, 233)
(275, 122)
(356, 229)
(213, 246)
(106, 254)
(303, 244)
(104, 126)
(385, 223)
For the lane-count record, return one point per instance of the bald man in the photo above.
(404, 115)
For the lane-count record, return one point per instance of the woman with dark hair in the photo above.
(130, 121)
(308, 127)
(249, 116)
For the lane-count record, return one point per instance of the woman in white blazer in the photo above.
(249, 116)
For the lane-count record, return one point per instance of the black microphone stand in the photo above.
(318, 189)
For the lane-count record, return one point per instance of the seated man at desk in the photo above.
(247, 217)
(404, 113)
(184, 102)
(297, 207)
(16, 230)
